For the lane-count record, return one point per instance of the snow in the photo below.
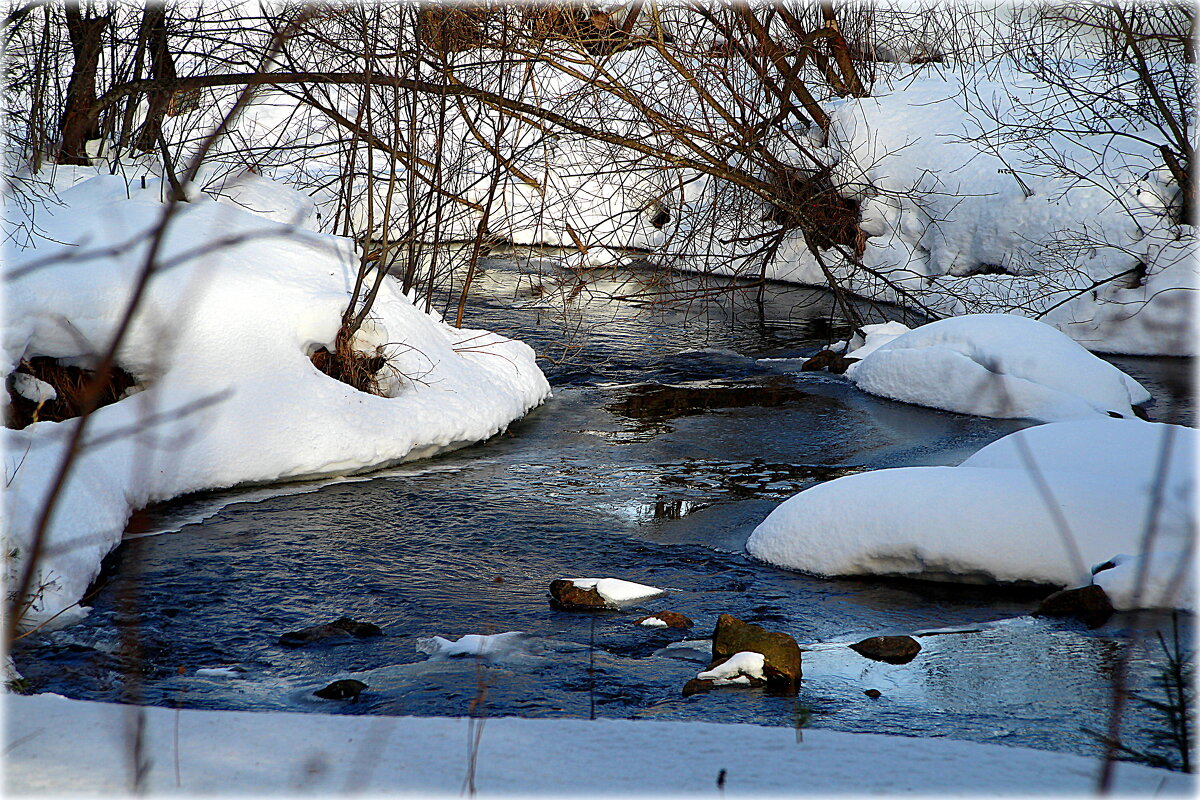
(618, 592)
(653, 622)
(221, 347)
(250, 753)
(739, 668)
(33, 389)
(986, 520)
(993, 365)
(219, 672)
(470, 645)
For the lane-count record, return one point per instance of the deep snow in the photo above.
(988, 519)
(992, 365)
(231, 752)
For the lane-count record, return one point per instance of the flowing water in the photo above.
(613, 476)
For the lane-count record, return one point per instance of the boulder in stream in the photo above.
(345, 689)
(889, 649)
(781, 654)
(344, 630)
(1088, 604)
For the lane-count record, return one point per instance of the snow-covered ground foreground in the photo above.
(231, 752)
(992, 365)
(220, 349)
(990, 519)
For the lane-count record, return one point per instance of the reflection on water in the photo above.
(664, 494)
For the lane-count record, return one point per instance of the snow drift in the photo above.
(987, 520)
(992, 365)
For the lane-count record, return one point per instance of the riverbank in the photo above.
(220, 752)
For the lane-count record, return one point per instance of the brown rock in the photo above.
(873, 693)
(673, 619)
(343, 629)
(889, 649)
(780, 652)
(1088, 604)
(697, 686)
(566, 596)
(831, 360)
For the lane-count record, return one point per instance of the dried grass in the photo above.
(352, 367)
(72, 385)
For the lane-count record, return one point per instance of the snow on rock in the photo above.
(986, 521)
(739, 669)
(618, 592)
(221, 344)
(472, 644)
(993, 365)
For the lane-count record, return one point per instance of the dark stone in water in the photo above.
(697, 686)
(889, 649)
(673, 619)
(657, 401)
(346, 689)
(1088, 604)
(873, 693)
(781, 653)
(830, 360)
(566, 596)
(343, 629)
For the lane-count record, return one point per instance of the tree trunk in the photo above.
(163, 69)
(79, 121)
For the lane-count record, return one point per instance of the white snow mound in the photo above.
(986, 520)
(995, 365)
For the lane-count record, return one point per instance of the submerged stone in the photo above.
(343, 629)
(346, 689)
(889, 649)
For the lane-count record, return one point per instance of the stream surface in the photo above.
(610, 477)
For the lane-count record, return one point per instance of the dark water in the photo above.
(606, 479)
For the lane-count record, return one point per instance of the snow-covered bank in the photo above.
(230, 752)
(992, 365)
(987, 519)
(220, 349)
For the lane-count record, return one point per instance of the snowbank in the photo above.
(251, 753)
(986, 520)
(993, 365)
(221, 348)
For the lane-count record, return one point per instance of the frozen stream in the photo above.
(607, 479)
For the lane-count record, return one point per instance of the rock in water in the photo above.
(343, 629)
(781, 654)
(873, 693)
(1088, 604)
(346, 689)
(569, 597)
(889, 649)
(672, 619)
(697, 686)
(831, 360)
